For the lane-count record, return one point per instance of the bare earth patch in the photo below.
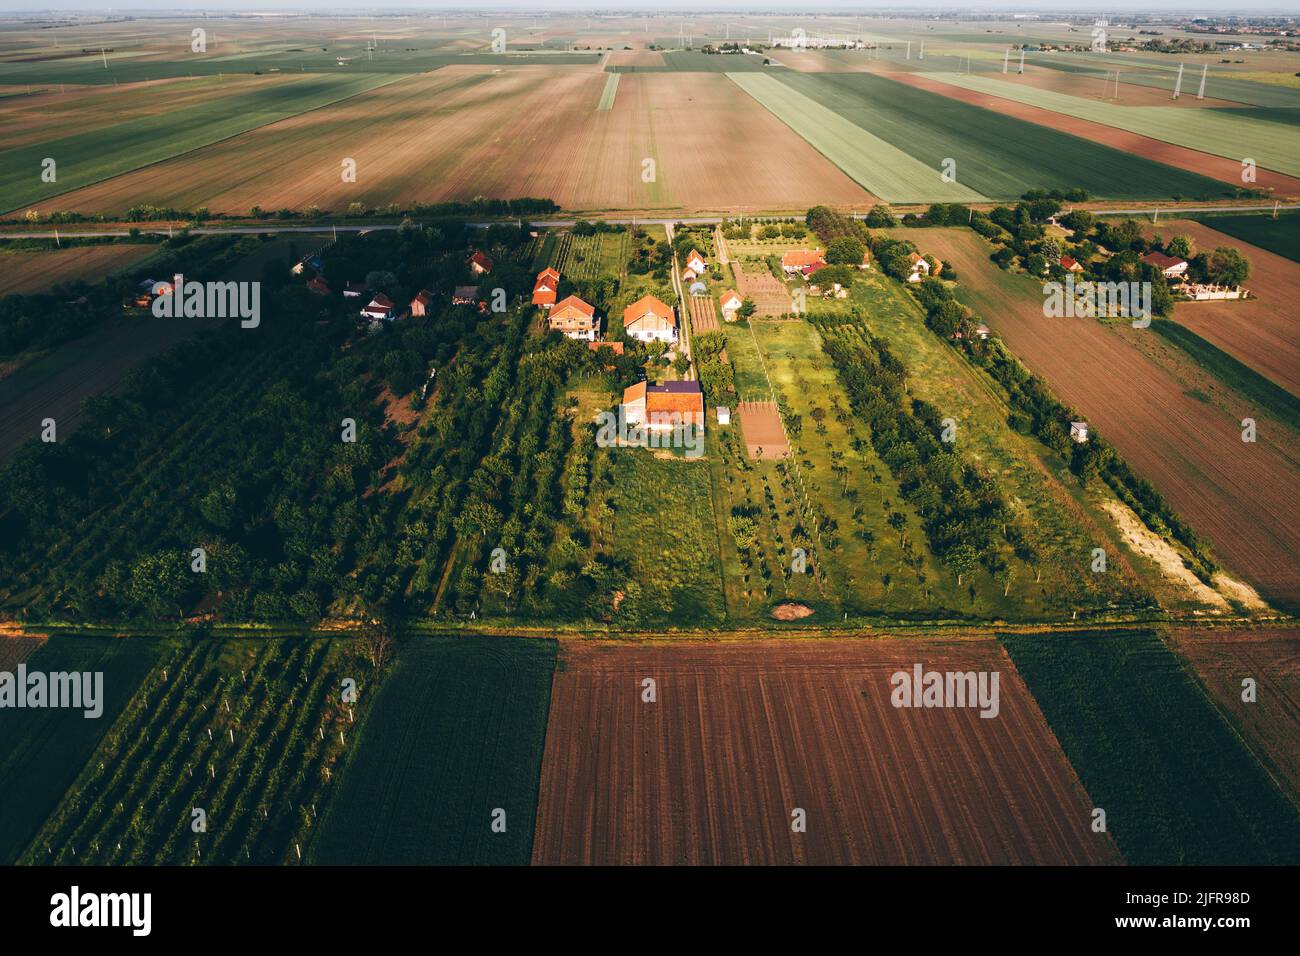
(792, 612)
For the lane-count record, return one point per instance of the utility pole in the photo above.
(1200, 93)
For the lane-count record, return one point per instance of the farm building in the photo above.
(354, 290)
(544, 290)
(464, 295)
(982, 331)
(663, 406)
(724, 415)
(1171, 267)
(920, 268)
(318, 285)
(574, 318)
(648, 319)
(1079, 431)
(731, 303)
(695, 262)
(380, 307)
(802, 261)
(1071, 264)
(422, 302)
(479, 263)
(760, 422)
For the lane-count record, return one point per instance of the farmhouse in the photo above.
(480, 263)
(464, 295)
(648, 319)
(422, 302)
(982, 331)
(574, 318)
(544, 290)
(802, 262)
(731, 303)
(920, 268)
(660, 407)
(354, 290)
(1170, 267)
(695, 264)
(380, 307)
(1079, 431)
(1071, 264)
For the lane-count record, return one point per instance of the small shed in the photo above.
(724, 415)
(1079, 431)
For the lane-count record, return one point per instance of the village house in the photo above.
(982, 331)
(464, 295)
(1079, 431)
(318, 285)
(802, 262)
(1071, 264)
(544, 290)
(574, 318)
(695, 266)
(731, 303)
(380, 307)
(660, 407)
(1171, 267)
(354, 290)
(921, 268)
(422, 303)
(479, 263)
(648, 319)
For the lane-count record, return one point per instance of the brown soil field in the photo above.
(1130, 94)
(635, 58)
(1261, 332)
(1216, 167)
(28, 272)
(760, 422)
(1241, 497)
(771, 296)
(466, 131)
(52, 114)
(704, 314)
(817, 61)
(1271, 725)
(14, 649)
(741, 735)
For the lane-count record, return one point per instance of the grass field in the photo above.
(42, 751)
(997, 156)
(1226, 133)
(456, 732)
(247, 731)
(880, 167)
(1280, 235)
(85, 158)
(40, 271)
(608, 94)
(1177, 785)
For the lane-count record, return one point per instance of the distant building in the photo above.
(731, 303)
(480, 262)
(422, 303)
(802, 261)
(1071, 264)
(648, 319)
(380, 307)
(1171, 267)
(546, 287)
(318, 286)
(724, 415)
(464, 295)
(695, 263)
(660, 407)
(574, 318)
(1079, 431)
(354, 290)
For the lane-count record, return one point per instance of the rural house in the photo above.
(920, 268)
(318, 285)
(480, 263)
(421, 303)
(695, 266)
(802, 262)
(1071, 264)
(354, 290)
(574, 318)
(380, 307)
(731, 303)
(648, 319)
(660, 407)
(1170, 267)
(464, 295)
(548, 283)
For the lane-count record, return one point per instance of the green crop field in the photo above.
(1229, 133)
(85, 158)
(41, 751)
(998, 156)
(608, 93)
(246, 731)
(1178, 786)
(456, 732)
(1280, 236)
(879, 166)
(1161, 73)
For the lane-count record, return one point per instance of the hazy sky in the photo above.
(701, 8)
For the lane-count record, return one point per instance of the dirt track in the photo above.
(742, 735)
(1241, 497)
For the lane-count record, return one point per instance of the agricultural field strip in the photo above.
(996, 154)
(1159, 74)
(608, 93)
(1219, 132)
(85, 158)
(880, 167)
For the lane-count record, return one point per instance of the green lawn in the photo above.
(456, 733)
(998, 156)
(1177, 784)
(42, 751)
(85, 158)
